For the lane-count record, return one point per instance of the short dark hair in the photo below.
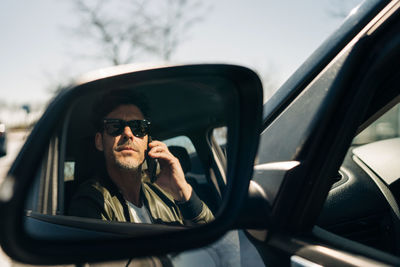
(112, 99)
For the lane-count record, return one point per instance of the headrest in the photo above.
(183, 157)
(88, 160)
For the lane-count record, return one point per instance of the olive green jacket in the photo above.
(100, 199)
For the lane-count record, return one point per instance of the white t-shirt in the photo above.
(140, 215)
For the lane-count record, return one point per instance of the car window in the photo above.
(182, 141)
(221, 135)
(69, 169)
(363, 202)
(286, 135)
(385, 127)
(195, 174)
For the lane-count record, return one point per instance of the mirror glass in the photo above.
(149, 151)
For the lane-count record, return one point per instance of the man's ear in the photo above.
(98, 140)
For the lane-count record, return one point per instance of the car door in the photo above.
(305, 139)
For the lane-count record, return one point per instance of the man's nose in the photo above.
(127, 133)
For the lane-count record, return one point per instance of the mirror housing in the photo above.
(3, 140)
(237, 89)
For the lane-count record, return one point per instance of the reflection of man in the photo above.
(124, 192)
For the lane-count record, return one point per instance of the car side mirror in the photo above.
(190, 100)
(3, 140)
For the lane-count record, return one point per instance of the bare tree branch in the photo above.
(180, 16)
(130, 28)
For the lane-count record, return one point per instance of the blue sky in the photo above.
(271, 37)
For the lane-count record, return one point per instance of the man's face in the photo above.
(124, 151)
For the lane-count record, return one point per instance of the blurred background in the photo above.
(46, 44)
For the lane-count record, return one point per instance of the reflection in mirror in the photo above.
(137, 153)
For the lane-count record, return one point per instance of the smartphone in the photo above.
(151, 163)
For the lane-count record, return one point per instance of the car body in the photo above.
(317, 196)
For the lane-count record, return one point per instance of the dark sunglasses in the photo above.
(115, 127)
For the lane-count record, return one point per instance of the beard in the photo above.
(127, 163)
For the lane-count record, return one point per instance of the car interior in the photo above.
(363, 203)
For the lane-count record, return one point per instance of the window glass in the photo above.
(361, 202)
(385, 127)
(220, 134)
(196, 166)
(69, 169)
(182, 141)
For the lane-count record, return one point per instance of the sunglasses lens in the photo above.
(113, 128)
(139, 128)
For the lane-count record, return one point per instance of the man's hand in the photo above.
(171, 177)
